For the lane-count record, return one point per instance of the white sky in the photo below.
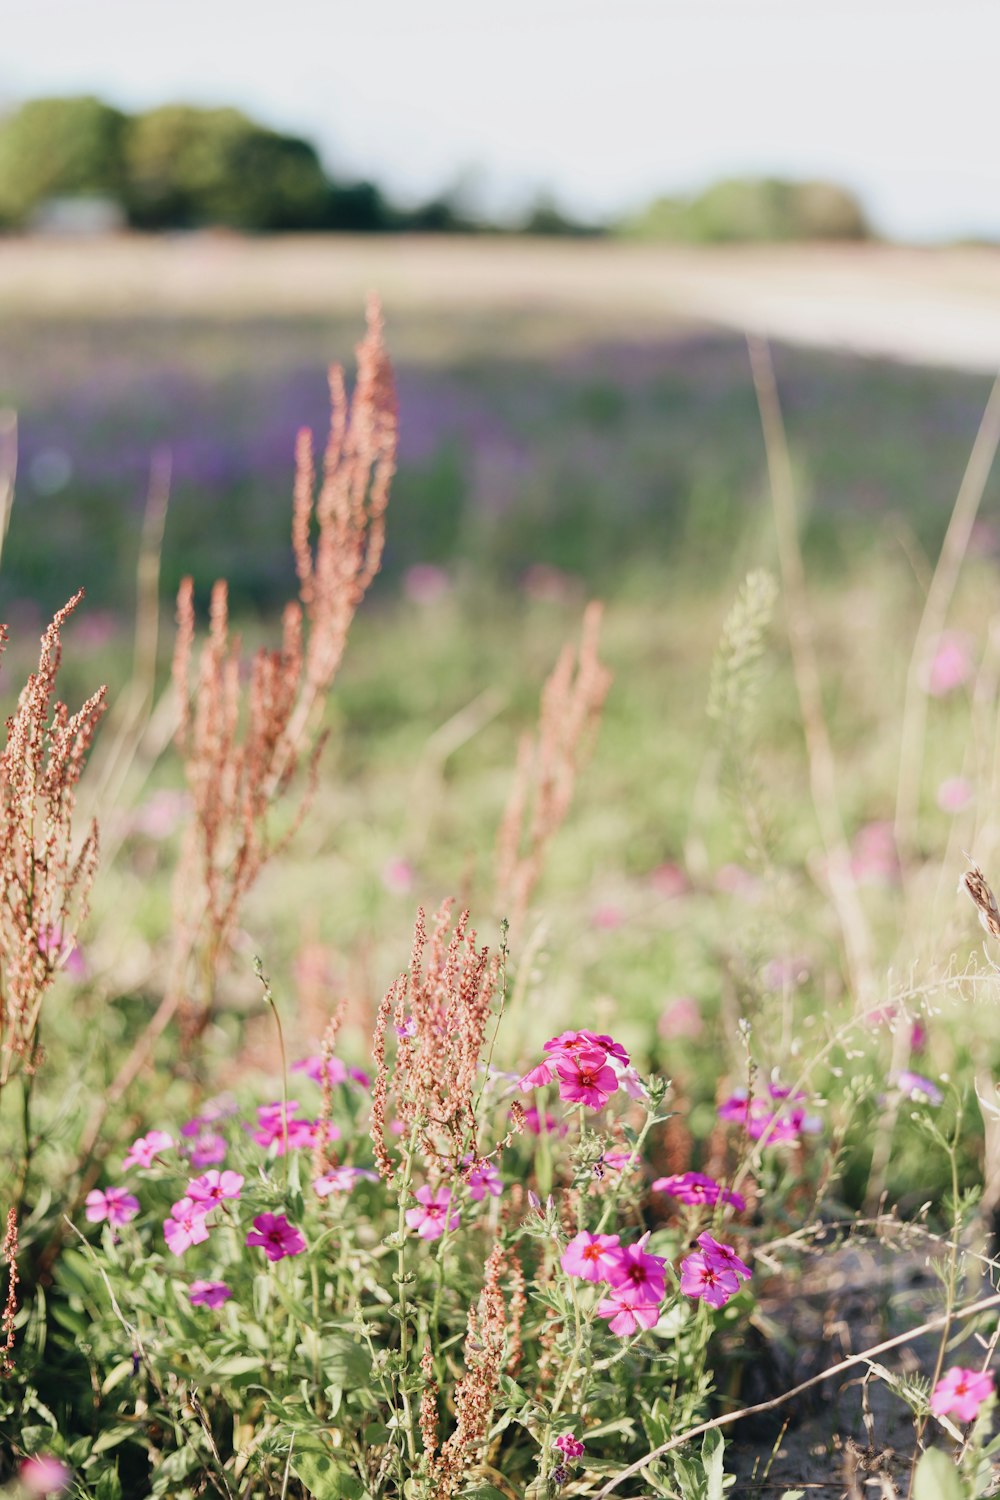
(606, 103)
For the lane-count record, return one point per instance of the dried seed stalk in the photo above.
(242, 748)
(548, 765)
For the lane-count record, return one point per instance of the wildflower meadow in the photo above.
(480, 1041)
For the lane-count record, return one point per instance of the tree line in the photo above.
(181, 166)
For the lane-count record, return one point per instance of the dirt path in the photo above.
(928, 306)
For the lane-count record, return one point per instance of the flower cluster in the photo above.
(713, 1273)
(696, 1188)
(779, 1119)
(589, 1068)
(637, 1279)
(187, 1224)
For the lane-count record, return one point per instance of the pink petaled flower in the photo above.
(639, 1272)
(619, 1161)
(590, 1256)
(186, 1226)
(537, 1078)
(874, 859)
(626, 1312)
(207, 1150)
(482, 1179)
(433, 1216)
(695, 1187)
(572, 1043)
(708, 1281)
(681, 1017)
(305, 1135)
(208, 1293)
(533, 1122)
(405, 1028)
(921, 1090)
(67, 954)
(585, 1078)
(961, 1393)
(341, 1180)
(397, 876)
(668, 880)
(44, 1475)
(206, 1191)
(724, 1255)
(142, 1151)
(337, 1072)
(954, 794)
(569, 1446)
(270, 1130)
(277, 1236)
(949, 665)
(607, 916)
(777, 1127)
(113, 1204)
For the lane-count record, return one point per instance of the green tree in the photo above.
(59, 147)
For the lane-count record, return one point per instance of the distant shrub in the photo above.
(59, 147)
(747, 210)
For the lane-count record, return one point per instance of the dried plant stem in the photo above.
(822, 771)
(8, 469)
(939, 597)
(728, 1418)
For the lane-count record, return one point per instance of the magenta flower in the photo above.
(44, 1475)
(337, 1072)
(341, 1180)
(534, 1123)
(277, 1236)
(585, 1078)
(569, 1446)
(208, 1293)
(537, 1078)
(949, 666)
(405, 1028)
(207, 1149)
(66, 954)
(186, 1226)
(960, 1393)
(113, 1204)
(695, 1187)
(206, 1191)
(707, 1280)
(142, 1151)
(571, 1043)
(271, 1124)
(627, 1312)
(781, 1126)
(642, 1274)
(397, 876)
(921, 1090)
(432, 1217)
(483, 1178)
(724, 1255)
(590, 1256)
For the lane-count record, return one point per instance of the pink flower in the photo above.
(776, 1127)
(725, 1256)
(186, 1226)
(949, 665)
(533, 1122)
(405, 1028)
(337, 1072)
(608, 916)
(668, 880)
(569, 1446)
(159, 814)
(341, 1180)
(206, 1191)
(432, 1218)
(483, 1178)
(537, 1078)
(618, 1161)
(142, 1151)
(874, 859)
(208, 1293)
(207, 1150)
(921, 1090)
(585, 1078)
(397, 876)
(695, 1187)
(626, 1312)
(961, 1393)
(640, 1273)
(954, 794)
(113, 1204)
(65, 954)
(590, 1256)
(44, 1475)
(278, 1237)
(708, 1280)
(682, 1017)
(571, 1043)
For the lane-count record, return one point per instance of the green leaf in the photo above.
(713, 1450)
(109, 1486)
(483, 1492)
(326, 1479)
(937, 1478)
(112, 1438)
(239, 1364)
